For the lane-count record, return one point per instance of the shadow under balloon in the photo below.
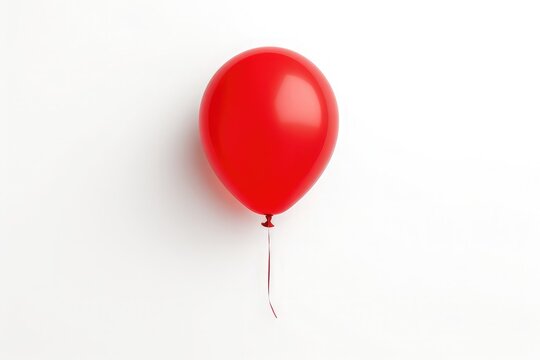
(209, 200)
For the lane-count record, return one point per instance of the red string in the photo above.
(268, 277)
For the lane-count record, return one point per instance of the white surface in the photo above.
(420, 241)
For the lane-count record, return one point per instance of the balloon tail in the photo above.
(268, 224)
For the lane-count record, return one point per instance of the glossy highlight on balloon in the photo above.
(268, 123)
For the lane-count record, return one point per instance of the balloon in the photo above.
(268, 123)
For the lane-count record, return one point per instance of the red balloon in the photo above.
(269, 124)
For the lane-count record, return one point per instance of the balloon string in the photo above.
(268, 276)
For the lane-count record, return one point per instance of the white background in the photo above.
(420, 241)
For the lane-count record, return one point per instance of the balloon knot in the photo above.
(268, 222)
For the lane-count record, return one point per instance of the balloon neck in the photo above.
(268, 222)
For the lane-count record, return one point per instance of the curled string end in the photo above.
(271, 307)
